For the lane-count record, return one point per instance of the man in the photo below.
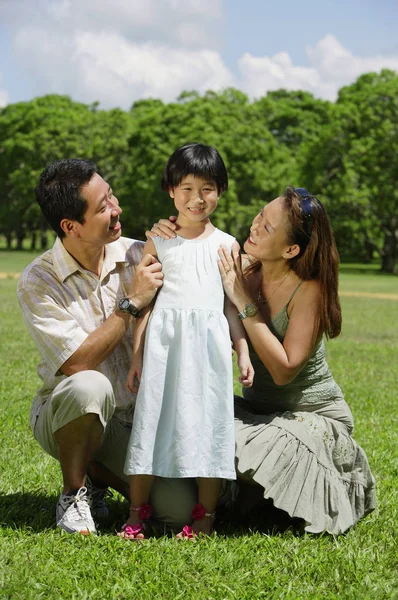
(79, 300)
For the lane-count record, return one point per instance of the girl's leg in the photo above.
(209, 491)
(140, 489)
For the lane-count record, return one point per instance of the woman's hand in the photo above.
(165, 228)
(230, 266)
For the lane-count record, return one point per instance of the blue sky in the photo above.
(118, 51)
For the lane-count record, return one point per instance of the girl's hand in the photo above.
(165, 228)
(246, 373)
(230, 266)
(134, 378)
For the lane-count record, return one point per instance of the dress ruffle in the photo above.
(308, 464)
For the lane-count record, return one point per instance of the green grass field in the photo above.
(38, 561)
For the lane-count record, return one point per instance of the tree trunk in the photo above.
(33, 240)
(369, 249)
(390, 248)
(44, 240)
(20, 238)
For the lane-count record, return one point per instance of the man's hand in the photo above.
(165, 228)
(148, 278)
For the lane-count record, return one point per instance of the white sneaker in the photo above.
(96, 498)
(73, 513)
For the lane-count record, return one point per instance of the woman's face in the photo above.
(268, 239)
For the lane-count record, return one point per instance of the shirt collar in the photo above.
(115, 252)
(65, 265)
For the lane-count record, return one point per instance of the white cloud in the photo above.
(334, 63)
(145, 70)
(209, 8)
(3, 96)
(106, 67)
(332, 66)
(137, 20)
(118, 51)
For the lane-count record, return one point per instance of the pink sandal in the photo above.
(198, 513)
(131, 532)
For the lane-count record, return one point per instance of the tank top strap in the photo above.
(293, 294)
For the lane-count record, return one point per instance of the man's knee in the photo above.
(87, 386)
(82, 393)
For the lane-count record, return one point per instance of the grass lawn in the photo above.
(38, 561)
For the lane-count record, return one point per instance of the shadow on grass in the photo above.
(264, 517)
(35, 510)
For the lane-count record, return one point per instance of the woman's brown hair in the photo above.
(318, 258)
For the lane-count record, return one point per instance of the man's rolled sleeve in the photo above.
(54, 330)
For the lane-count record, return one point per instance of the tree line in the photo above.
(344, 152)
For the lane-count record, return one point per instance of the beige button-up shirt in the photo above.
(62, 304)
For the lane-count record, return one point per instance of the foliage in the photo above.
(345, 152)
(34, 134)
(227, 121)
(353, 163)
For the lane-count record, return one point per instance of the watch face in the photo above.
(124, 304)
(250, 310)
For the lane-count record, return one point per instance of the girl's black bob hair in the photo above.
(198, 160)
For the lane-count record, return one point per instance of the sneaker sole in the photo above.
(81, 532)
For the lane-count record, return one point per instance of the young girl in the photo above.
(183, 423)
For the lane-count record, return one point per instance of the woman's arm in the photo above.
(283, 361)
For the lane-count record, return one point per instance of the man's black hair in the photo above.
(58, 192)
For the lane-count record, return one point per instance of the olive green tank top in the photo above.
(313, 389)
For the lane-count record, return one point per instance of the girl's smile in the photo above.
(195, 198)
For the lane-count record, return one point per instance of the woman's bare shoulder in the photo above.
(308, 296)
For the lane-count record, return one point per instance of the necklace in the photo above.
(263, 300)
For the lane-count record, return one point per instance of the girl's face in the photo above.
(268, 237)
(195, 199)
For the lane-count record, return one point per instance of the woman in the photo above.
(293, 426)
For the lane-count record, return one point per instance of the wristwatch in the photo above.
(250, 310)
(125, 305)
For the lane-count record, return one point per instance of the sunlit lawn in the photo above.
(242, 562)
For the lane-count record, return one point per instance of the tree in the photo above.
(354, 164)
(32, 135)
(227, 121)
(295, 119)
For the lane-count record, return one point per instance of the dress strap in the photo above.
(293, 294)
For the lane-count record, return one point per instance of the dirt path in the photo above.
(352, 294)
(370, 295)
(9, 275)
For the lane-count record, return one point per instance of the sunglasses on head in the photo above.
(306, 207)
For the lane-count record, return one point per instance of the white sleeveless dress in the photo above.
(183, 422)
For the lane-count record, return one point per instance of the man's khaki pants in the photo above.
(91, 392)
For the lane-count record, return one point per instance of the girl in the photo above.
(183, 423)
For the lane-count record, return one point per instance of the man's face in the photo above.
(101, 219)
